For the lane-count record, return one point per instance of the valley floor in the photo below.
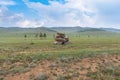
(85, 58)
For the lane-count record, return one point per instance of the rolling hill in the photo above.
(67, 29)
(16, 31)
(87, 31)
(83, 29)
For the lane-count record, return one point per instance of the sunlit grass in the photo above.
(42, 47)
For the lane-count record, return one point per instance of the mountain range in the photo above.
(56, 29)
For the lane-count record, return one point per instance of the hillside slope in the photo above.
(15, 31)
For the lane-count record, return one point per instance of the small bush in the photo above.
(19, 70)
(60, 77)
(3, 72)
(1, 78)
(32, 65)
(42, 76)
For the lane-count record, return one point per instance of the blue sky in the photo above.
(37, 13)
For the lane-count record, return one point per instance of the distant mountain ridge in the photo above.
(56, 29)
(66, 29)
(83, 29)
(22, 30)
(111, 29)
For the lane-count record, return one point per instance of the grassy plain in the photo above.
(14, 49)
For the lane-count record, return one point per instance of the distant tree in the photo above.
(44, 35)
(25, 36)
(41, 35)
(88, 35)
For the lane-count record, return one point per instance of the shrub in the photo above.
(42, 76)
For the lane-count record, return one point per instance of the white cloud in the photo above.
(7, 2)
(2, 10)
(77, 12)
(69, 14)
(11, 19)
(8, 18)
(28, 24)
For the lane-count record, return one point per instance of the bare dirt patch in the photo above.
(69, 68)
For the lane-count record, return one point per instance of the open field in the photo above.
(96, 57)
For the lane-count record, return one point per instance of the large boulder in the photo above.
(61, 38)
